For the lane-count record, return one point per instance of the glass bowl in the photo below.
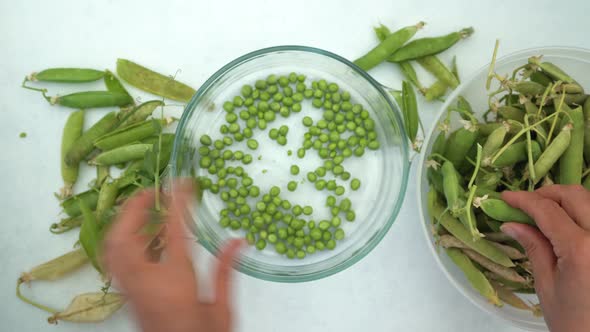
(383, 173)
(575, 61)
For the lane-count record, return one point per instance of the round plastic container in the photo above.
(574, 61)
(383, 173)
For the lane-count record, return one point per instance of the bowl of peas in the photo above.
(301, 153)
(517, 124)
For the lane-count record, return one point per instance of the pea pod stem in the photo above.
(492, 65)
(477, 165)
(31, 302)
(531, 162)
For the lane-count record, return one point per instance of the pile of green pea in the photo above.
(346, 130)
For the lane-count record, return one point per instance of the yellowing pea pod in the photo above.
(475, 277)
(500, 210)
(133, 133)
(508, 296)
(153, 82)
(138, 113)
(437, 68)
(121, 154)
(71, 132)
(507, 273)
(57, 267)
(552, 153)
(90, 308)
(571, 162)
(449, 241)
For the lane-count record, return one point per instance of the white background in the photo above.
(397, 287)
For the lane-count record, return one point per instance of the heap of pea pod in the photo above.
(535, 133)
(132, 140)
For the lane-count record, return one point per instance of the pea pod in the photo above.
(511, 113)
(482, 191)
(456, 228)
(552, 153)
(507, 296)
(572, 99)
(475, 277)
(433, 64)
(464, 106)
(503, 271)
(410, 74)
(453, 191)
(65, 225)
(449, 241)
(410, 111)
(139, 113)
(539, 77)
(387, 47)
(121, 154)
(436, 90)
(428, 46)
(572, 160)
(489, 180)
(113, 84)
(150, 81)
(71, 132)
(587, 130)
(500, 210)
(528, 88)
(102, 173)
(573, 88)
(166, 149)
(133, 133)
(493, 144)
(454, 68)
(66, 75)
(106, 198)
(551, 70)
(85, 144)
(71, 206)
(516, 153)
(459, 144)
(91, 99)
(90, 308)
(90, 236)
(57, 267)
(382, 32)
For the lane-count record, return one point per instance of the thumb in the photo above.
(538, 249)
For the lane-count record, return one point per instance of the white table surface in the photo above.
(397, 287)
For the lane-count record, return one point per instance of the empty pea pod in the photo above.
(552, 153)
(571, 162)
(153, 82)
(410, 74)
(455, 69)
(66, 75)
(57, 267)
(488, 180)
(113, 84)
(91, 99)
(89, 308)
(85, 144)
(71, 132)
(433, 64)
(121, 154)
(388, 46)
(130, 134)
(436, 90)
(71, 205)
(410, 111)
(428, 46)
(139, 113)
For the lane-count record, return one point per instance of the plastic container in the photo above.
(574, 61)
(384, 173)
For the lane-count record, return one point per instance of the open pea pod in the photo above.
(90, 308)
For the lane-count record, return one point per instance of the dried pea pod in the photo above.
(475, 277)
(66, 75)
(91, 99)
(71, 206)
(437, 68)
(427, 46)
(133, 133)
(503, 271)
(552, 153)
(90, 308)
(57, 267)
(449, 241)
(139, 113)
(71, 132)
(572, 160)
(85, 144)
(153, 82)
(500, 210)
(507, 296)
(121, 154)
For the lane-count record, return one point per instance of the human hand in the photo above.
(164, 294)
(559, 251)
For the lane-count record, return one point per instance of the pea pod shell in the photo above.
(67, 75)
(410, 110)
(71, 206)
(165, 151)
(449, 241)
(428, 46)
(92, 99)
(382, 32)
(57, 267)
(456, 228)
(90, 308)
(436, 90)
(113, 84)
(85, 144)
(451, 187)
(387, 47)
(500, 210)
(121, 154)
(552, 153)
(528, 88)
(503, 271)
(139, 113)
(508, 296)
(71, 132)
(410, 74)
(153, 82)
(133, 133)
(571, 162)
(436, 67)
(475, 277)
(464, 105)
(587, 130)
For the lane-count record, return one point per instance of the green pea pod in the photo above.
(89, 235)
(85, 144)
(57, 267)
(493, 143)
(435, 179)
(516, 153)
(90, 308)
(587, 130)
(552, 153)
(436, 90)
(71, 132)
(91, 99)
(121, 154)
(459, 144)
(106, 198)
(133, 133)
(65, 225)
(571, 162)
(433, 64)
(454, 193)
(410, 111)
(382, 32)
(511, 113)
(67, 75)
(454, 68)
(489, 180)
(439, 144)
(551, 70)
(102, 173)
(539, 77)
(456, 228)
(150, 81)
(113, 84)
(573, 88)
(464, 105)
(387, 47)
(530, 108)
(139, 113)
(571, 99)
(528, 88)
(71, 205)
(482, 191)
(500, 210)
(410, 75)
(428, 46)
(165, 151)
(475, 277)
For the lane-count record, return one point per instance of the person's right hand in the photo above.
(559, 251)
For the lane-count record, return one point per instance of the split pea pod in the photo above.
(572, 160)
(57, 267)
(475, 277)
(153, 82)
(500, 210)
(66, 75)
(410, 110)
(71, 132)
(113, 84)
(121, 154)
(139, 113)
(436, 90)
(71, 205)
(427, 46)
(89, 308)
(459, 144)
(437, 68)
(388, 46)
(493, 144)
(587, 130)
(85, 144)
(165, 151)
(410, 74)
(91, 99)
(133, 133)
(552, 153)
(516, 153)
(382, 32)
(456, 228)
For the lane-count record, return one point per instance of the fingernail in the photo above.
(510, 231)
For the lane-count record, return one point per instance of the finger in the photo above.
(575, 200)
(538, 249)
(552, 220)
(223, 273)
(177, 238)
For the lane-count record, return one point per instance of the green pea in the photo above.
(297, 210)
(283, 81)
(350, 215)
(262, 124)
(205, 140)
(282, 140)
(320, 184)
(339, 190)
(247, 159)
(359, 151)
(251, 123)
(355, 184)
(323, 153)
(317, 102)
(224, 129)
(284, 111)
(320, 171)
(308, 93)
(335, 211)
(228, 106)
(331, 185)
(254, 191)
(345, 205)
(292, 186)
(248, 102)
(275, 191)
(260, 244)
(307, 210)
(301, 153)
(246, 91)
(252, 144)
(234, 128)
(329, 164)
